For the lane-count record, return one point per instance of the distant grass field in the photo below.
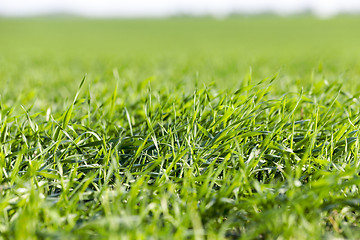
(238, 128)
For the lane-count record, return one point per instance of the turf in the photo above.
(238, 128)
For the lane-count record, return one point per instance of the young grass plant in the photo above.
(209, 164)
(195, 151)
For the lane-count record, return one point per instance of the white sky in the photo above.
(158, 8)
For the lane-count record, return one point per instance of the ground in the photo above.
(238, 128)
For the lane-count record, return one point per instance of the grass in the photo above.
(244, 128)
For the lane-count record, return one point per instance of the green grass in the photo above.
(243, 128)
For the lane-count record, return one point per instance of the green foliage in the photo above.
(179, 142)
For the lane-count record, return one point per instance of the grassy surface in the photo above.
(182, 128)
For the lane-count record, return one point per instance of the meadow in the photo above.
(181, 128)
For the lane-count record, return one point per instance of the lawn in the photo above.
(185, 128)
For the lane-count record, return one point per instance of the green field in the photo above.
(180, 128)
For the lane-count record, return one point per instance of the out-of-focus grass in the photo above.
(262, 36)
(184, 128)
(60, 50)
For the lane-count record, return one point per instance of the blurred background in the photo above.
(176, 41)
(163, 8)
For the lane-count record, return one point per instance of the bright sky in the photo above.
(158, 8)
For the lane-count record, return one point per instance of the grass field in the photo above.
(238, 128)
